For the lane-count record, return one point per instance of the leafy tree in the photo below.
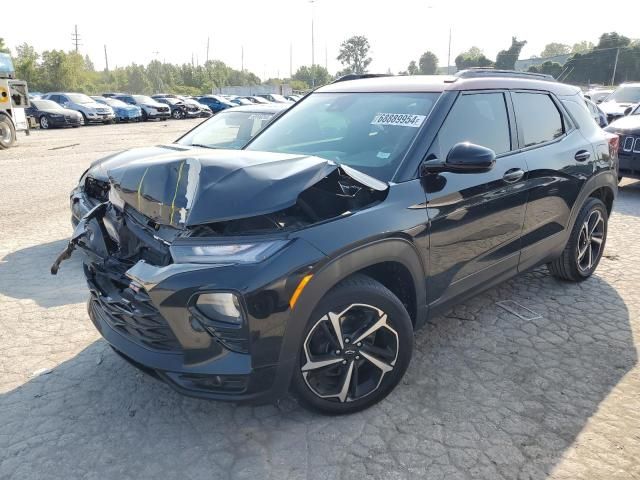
(474, 57)
(316, 74)
(613, 40)
(26, 63)
(549, 68)
(428, 63)
(506, 59)
(354, 54)
(3, 47)
(554, 49)
(582, 47)
(412, 69)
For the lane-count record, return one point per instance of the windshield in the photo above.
(46, 105)
(228, 129)
(144, 99)
(370, 132)
(115, 103)
(626, 95)
(80, 98)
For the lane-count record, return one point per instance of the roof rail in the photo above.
(479, 72)
(358, 76)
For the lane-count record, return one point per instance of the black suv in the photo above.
(306, 261)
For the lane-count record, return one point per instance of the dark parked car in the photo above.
(178, 107)
(240, 101)
(151, 109)
(49, 114)
(628, 129)
(306, 260)
(215, 103)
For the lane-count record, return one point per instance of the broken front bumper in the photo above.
(145, 313)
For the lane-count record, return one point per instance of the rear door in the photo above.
(559, 160)
(475, 218)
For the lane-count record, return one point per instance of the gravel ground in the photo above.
(487, 395)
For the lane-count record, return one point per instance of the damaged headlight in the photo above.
(226, 253)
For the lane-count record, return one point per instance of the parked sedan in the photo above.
(215, 102)
(293, 98)
(256, 99)
(91, 111)
(123, 112)
(274, 97)
(151, 109)
(49, 114)
(178, 107)
(598, 95)
(196, 108)
(622, 101)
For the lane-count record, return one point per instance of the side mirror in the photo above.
(464, 157)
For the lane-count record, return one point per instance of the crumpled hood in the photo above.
(628, 124)
(615, 108)
(182, 187)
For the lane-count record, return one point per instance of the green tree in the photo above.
(554, 49)
(26, 64)
(354, 54)
(582, 47)
(3, 47)
(613, 40)
(549, 68)
(412, 69)
(317, 75)
(428, 63)
(474, 57)
(506, 59)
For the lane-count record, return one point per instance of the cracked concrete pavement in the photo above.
(487, 394)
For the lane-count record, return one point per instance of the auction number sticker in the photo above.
(259, 116)
(398, 119)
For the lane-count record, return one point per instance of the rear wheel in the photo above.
(356, 348)
(7, 132)
(586, 244)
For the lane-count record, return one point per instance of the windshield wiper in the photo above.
(202, 146)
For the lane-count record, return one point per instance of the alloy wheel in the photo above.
(44, 122)
(347, 353)
(590, 240)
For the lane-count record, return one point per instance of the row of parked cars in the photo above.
(59, 109)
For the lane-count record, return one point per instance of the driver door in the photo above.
(475, 219)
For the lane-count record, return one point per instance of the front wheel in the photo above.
(356, 348)
(44, 122)
(176, 114)
(7, 132)
(583, 251)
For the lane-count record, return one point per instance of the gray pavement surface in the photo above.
(487, 395)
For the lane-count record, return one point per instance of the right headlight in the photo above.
(253, 252)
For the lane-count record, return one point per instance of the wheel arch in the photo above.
(603, 186)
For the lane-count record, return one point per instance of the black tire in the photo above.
(85, 120)
(44, 122)
(145, 117)
(571, 265)
(353, 382)
(176, 114)
(7, 132)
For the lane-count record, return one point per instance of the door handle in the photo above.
(513, 175)
(582, 156)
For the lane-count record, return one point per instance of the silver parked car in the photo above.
(91, 111)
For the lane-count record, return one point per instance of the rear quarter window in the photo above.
(538, 118)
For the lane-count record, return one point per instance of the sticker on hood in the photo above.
(398, 119)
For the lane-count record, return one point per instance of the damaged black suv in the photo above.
(305, 261)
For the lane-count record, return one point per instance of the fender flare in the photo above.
(4, 113)
(333, 271)
(605, 178)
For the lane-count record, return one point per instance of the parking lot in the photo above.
(488, 395)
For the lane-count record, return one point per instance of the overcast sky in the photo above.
(398, 30)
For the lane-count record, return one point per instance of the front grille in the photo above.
(163, 109)
(132, 314)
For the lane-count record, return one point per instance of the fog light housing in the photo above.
(220, 307)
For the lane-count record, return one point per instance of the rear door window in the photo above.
(538, 118)
(479, 118)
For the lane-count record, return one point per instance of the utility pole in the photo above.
(106, 59)
(313, 49)
(207, 50)
(449, 55)
(615, 66)
(326, 58)
(75, 37)
(290, 60)
(242, 58)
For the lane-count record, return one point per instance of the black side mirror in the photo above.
(464, 157)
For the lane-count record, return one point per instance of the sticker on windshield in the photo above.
(398, 119)
(259, 116)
